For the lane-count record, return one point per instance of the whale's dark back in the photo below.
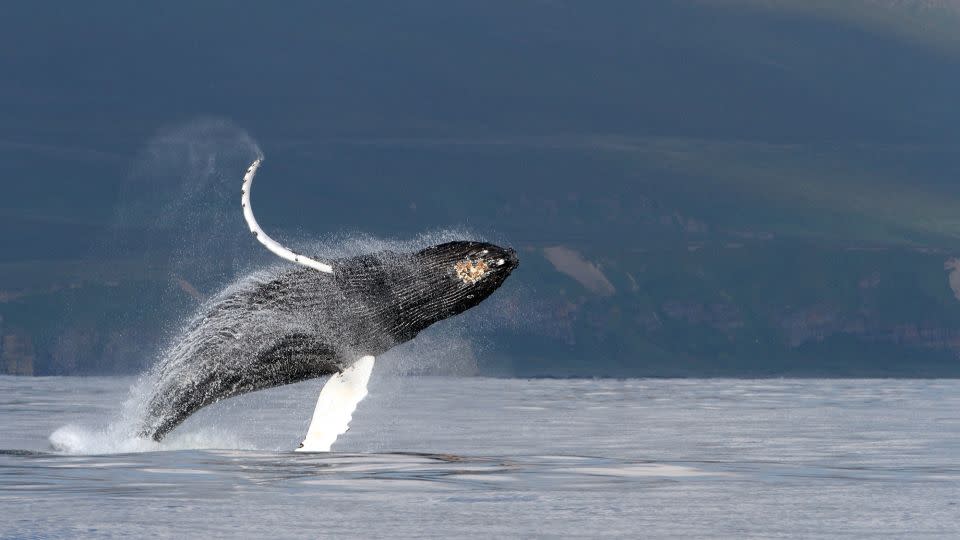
(298, 324)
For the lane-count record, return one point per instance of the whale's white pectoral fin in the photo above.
(338, 399)
(261, 236)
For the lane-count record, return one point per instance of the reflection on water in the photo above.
(186, 474)
(444, 457)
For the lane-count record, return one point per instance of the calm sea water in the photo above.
(481, 458)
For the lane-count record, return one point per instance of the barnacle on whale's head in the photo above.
(471, 271)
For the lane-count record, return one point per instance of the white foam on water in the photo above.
(114, 439)
(120, 436)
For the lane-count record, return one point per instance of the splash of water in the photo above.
(119, 435)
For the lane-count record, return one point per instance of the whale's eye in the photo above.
(470, 271)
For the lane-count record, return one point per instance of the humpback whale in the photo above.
(315, 319)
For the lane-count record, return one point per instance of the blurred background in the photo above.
(696, 188)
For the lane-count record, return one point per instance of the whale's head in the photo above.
(454, 277)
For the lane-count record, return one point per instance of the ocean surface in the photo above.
(469, 457)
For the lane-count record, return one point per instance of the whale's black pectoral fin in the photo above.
(338, 399)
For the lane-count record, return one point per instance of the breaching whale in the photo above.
(315, 319)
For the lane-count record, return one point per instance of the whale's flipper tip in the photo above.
(338, 399)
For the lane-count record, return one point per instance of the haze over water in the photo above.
(479, 457)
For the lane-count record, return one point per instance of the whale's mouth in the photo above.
(511, 260)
